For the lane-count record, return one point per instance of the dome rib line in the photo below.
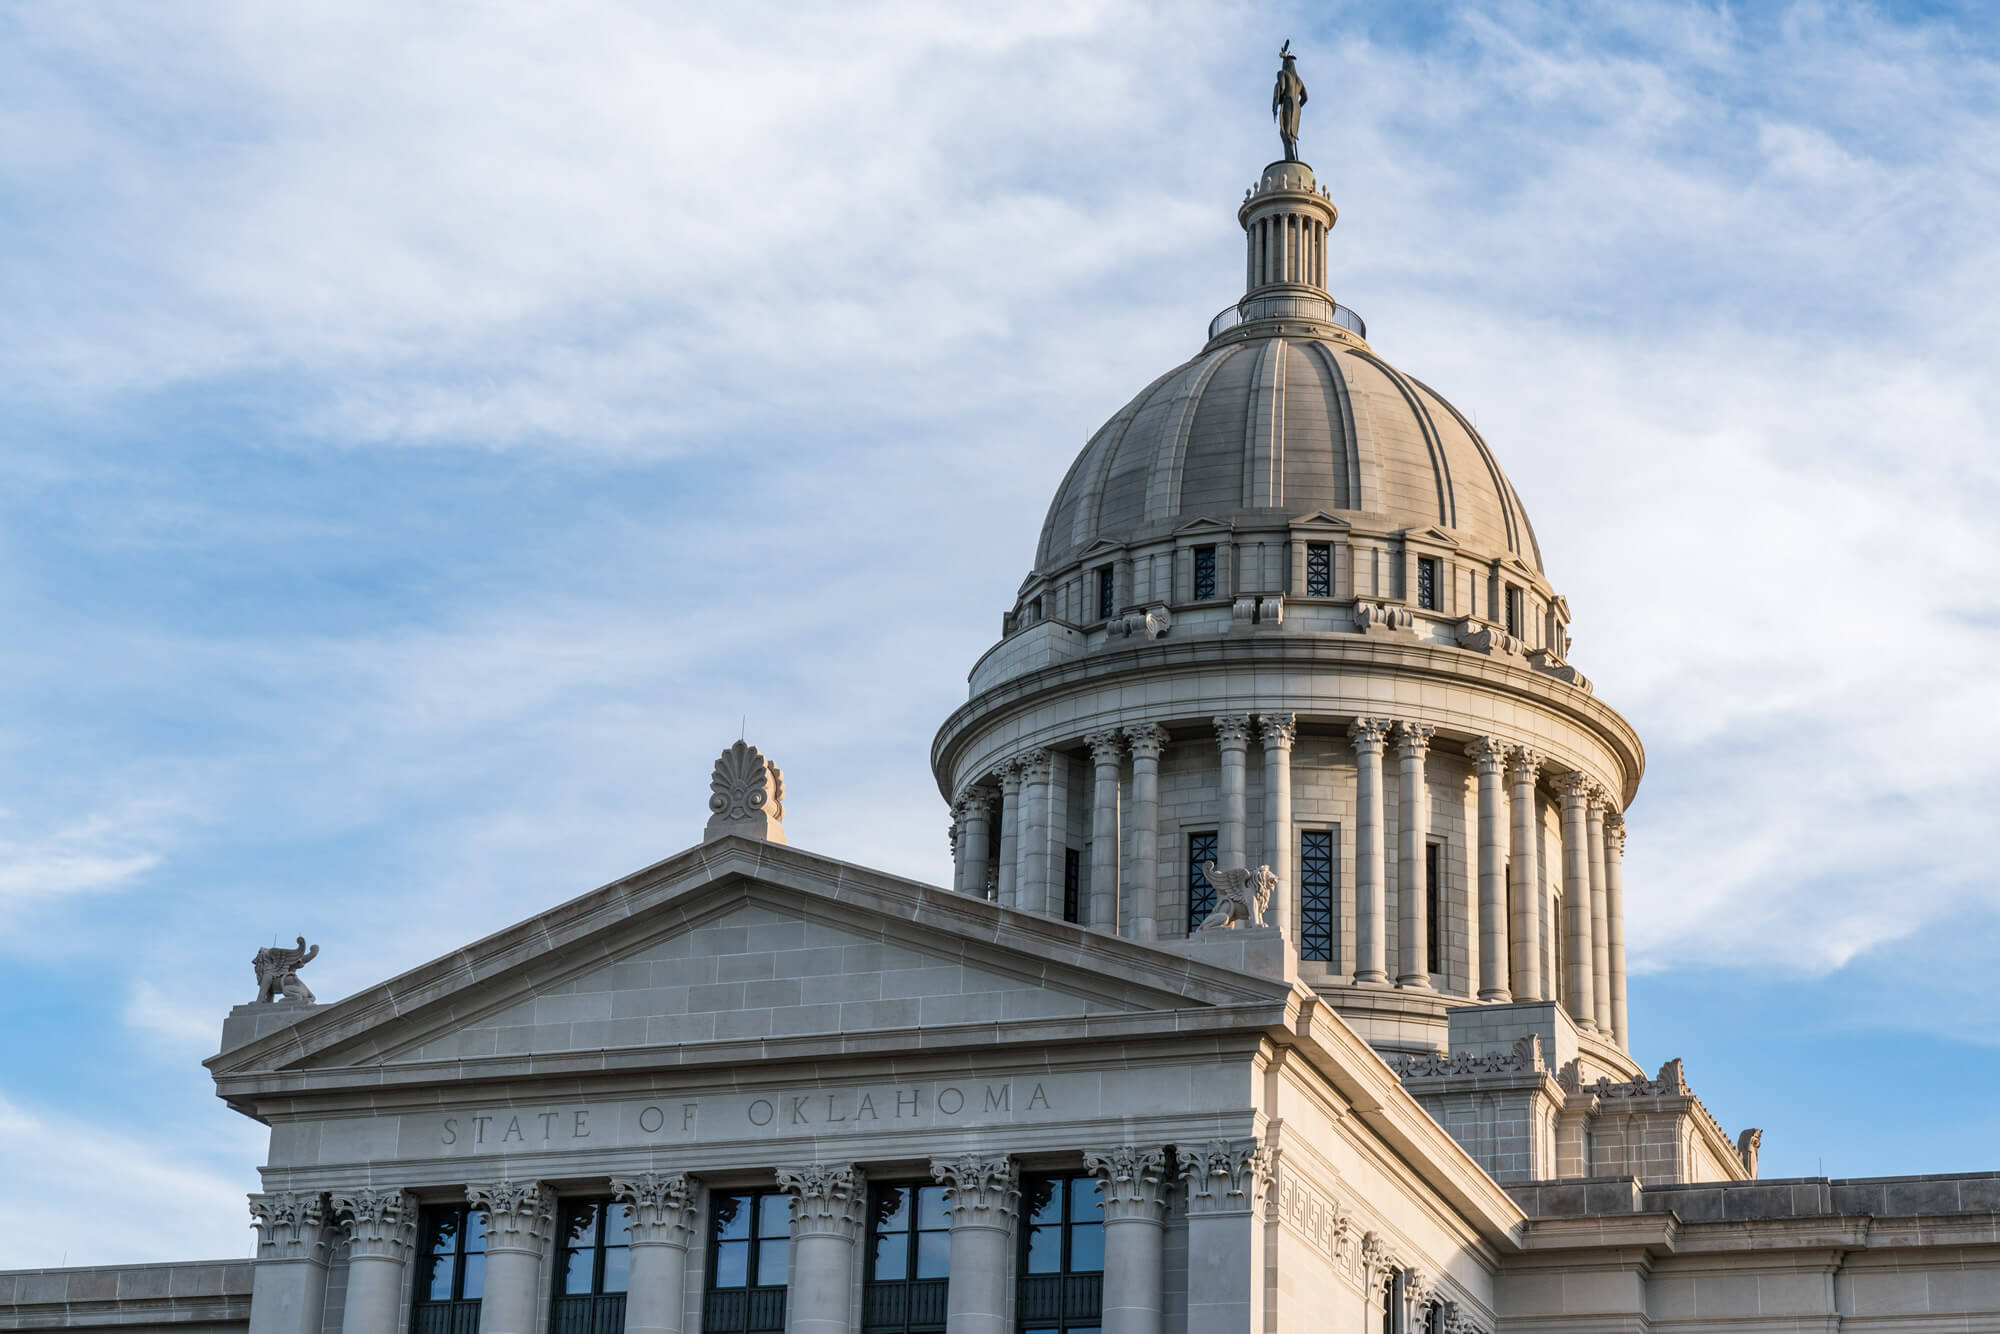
(1440, 468)
(1264, 428)
(1343, 422)
(1091, 502)
(1163, 481)
(1510, 505)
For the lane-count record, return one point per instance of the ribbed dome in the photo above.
(1293, 423)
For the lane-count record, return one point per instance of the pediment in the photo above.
(739, 941)
(1103, 546)
(1320, 521)
(1202, 525)
(1433, 534)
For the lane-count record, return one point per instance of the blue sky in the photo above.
(428, 431)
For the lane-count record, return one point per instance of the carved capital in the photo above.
(1225, 1176)
(520, 1215)
(1279, 731)
(380, 1224)
(1614, 835)
(1147, 742)
(1575, 788)
(1135, 1181)
(828, 1199)
(746, 796)
(291, 1225)
(1488, 755)
(981, 1191)
(663, 1207)
(1232, 729)
(1107, 747)
(1524, 765)
(1035, 766)
(1378, 1262)
(1413, 740)
(1007, 773)
(1368, 734)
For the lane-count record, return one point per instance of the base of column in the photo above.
(1411, 982)
(1371, 978)
(1497, 997)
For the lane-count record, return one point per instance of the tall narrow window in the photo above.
(1319, 570)
(1433, 900)
(1107, 593)
(1316, 895)
(1392, 1303)
(1513, 611)
(596, 1259)
(909, 1261)
(451, 1270)
(1427, 583)
(1558, 986)
(1062, 1255)
(1204, 573)
(1072, 884)
(1201, 894)
(749, 1260)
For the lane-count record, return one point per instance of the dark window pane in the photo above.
(475, 1230)
(774, 1215)
(891, 1260)
(1045, 1250)
(1204, 573)
(1086, 1199)
(933, 1254)
(475, 1277)
(1319, 570)
(434, 1281)
(931, 1211)
(773, 1262)
(444, 1232)
(576, 1270)
(1201, 894)
(617, 1268)
(892, 1209)
(1086, 1248)
(732, 1216)
(1107, 595)
(617, 1224)
(1045, 1201)
(582, 1230)
(1427, 583)
(1072, 884)
(1316, 895)
(732, 1264)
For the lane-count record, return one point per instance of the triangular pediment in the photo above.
(1320, 521)
(1203, 525)
(1433, 534)
(1103, 546)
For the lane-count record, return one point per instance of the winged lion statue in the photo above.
(1241, 895)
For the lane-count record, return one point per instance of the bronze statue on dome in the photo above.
(1288, 100)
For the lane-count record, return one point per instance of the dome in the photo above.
(1276, 419)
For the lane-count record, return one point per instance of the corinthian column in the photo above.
(288, 1284)
(828, 1202)
(1144, 906)
(1576, 900)
(1524, 764)
(975, 852)
(381, 1228)
(520, 1219)
(1614, 913)
(1232, 731)
(1279, 732)
(1107, 757)
(663, 1223)
(1225, 1181)
(1031, 874)
(984, 1198)
(1135, 1209)
(1413, 743)
(1371, 945)
(1010, 833)
(1489, 757)
(1600, 914)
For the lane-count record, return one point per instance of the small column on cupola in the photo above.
(1286, 219)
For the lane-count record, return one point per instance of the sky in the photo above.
(428, 434)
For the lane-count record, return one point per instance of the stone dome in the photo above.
(1286, 417)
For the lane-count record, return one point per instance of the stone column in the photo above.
(1371, 926)
(975, 852)
(1225, 1182)
(381, 1228)
(1279, 732)
(1489, 757)
(1107, 758)
(955, 835)
(1413, 744)
(1232, 730)
(288, 1284)
(984, 1199)
(1032, 886)
(1010, 833)
(520, 1220)
(1614, 915)
(829, 1201)
(663, 1225)
(1135, 1211)
(1523, 766)
(1600, 925)
(1576, 900)
(1144, 906)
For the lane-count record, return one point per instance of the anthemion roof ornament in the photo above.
(1288, 101)
(746, 796)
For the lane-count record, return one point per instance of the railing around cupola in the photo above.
(1232, 315)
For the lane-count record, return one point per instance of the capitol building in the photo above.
(1279, 986)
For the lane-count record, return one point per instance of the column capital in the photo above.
(1576, 787)
(1135, 1181)
(520, 1215)
(981, 1190)
(1106, 746)
(380, 1224)
(1378, 1261)
(291, 1225)
(1007, 774)
(1368, 733)
(1524, 764)
(828, 1199)
(1614, 833)
(1035, 765)
(972, 801)
(1225, 1176)
(1278, 731)
(1488, 754)
(1147, 741)
(1413, 740)
(1232, 729)
(1600, 800)
(663, 1207)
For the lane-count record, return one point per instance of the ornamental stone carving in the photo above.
(979, 1190)
(828, 1199)
(1035, 766)
(663, 1207)
(1278, 731)
(1224, 1176)
(746, 796)
(1577, 786)
(1382, 618)
(1232, 729)
(380, 1224)
(1524, 764)
(1107, 746)
(1487, 753)
(1614, 833)
(291, 1225)
(1135, 1181)
(1413, 740)
(1378, 1262)
(1241, 895)
(520, 1215)
(1147, 741)
(1525, 1058)
(1480, 637)
(277, 970)
(1746, 1149)
(1368, 733)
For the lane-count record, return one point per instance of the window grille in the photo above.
(1201, 894)
(1316, 895)
(1427, 583)
(1062, 1255)
(451, 1270)
(749, 1262)
(1514, 612)
(1204, 573)
(1433, 899)
(592, 1269)
(1319, 570)
(909, 1261)
(1072, 884)
(1107, 593)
